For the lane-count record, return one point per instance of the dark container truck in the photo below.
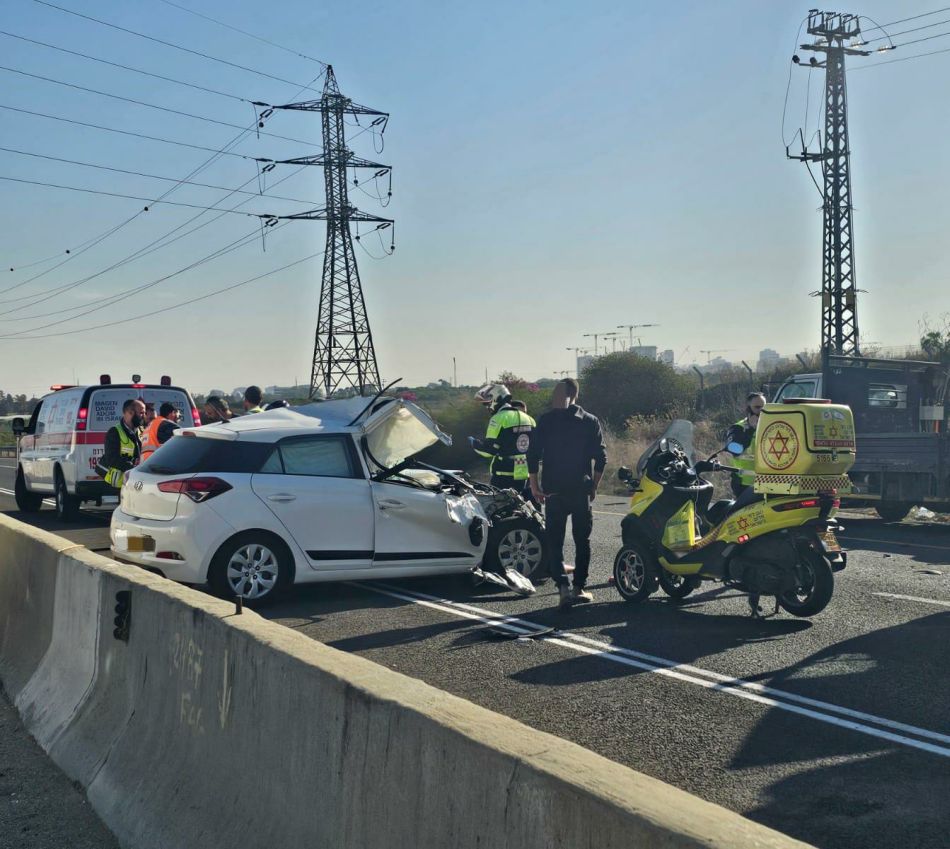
(903, 451)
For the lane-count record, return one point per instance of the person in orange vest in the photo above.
(161, 429)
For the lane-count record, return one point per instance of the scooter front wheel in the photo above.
(815, 590)
(678, 586)
(635, 572)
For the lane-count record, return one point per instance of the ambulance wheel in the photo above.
(678, 586)
(892, 511)
(67, 506)
(816, 586)
(28, 502)
(635, 570)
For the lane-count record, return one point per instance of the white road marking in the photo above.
(791, 702)
(914, 598)
(48, 501)
(5, 466)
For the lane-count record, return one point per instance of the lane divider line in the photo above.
(771, 697)
(914, 598)
(48, 501)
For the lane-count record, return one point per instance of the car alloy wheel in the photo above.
(252, 571)
(522, 550)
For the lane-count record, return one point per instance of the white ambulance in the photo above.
(59, 447)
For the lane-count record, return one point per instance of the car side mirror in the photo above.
(735, 448)
(624, 474)
(18, 426)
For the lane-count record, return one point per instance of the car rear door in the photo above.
(316, 487)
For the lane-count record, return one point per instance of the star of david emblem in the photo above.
(743, 523)
(833, 431)
(780, 446)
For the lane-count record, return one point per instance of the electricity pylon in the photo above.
(839, 308)
(343, 355)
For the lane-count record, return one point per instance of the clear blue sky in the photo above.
(559, 169)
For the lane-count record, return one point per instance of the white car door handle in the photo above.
(282, 497)
(390, 504)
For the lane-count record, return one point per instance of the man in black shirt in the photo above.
(569, 443)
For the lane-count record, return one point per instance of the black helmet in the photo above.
(276, 405)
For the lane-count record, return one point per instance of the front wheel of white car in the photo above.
(255, 565)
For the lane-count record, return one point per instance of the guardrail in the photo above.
(190, 725)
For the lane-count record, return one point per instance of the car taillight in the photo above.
(195, 416)
(197, 489)
(82, 418)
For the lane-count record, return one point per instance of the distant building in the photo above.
(583, 362)
(648, 352)
(667, 357)
(769, 360)
(717, 364)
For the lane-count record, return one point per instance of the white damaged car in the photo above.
(320, 492)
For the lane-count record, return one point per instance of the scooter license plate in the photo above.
(829, 541)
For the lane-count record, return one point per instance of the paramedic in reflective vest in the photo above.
(507, 439)
(743, 433)
(160, 429)
(123, 448)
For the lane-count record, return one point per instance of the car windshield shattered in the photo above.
(678, 434)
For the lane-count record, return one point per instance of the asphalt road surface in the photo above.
(835, 730)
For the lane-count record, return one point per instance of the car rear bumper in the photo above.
(187, 538)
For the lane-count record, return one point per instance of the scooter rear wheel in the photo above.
(635, 572)
(816, 590)
(678, 586)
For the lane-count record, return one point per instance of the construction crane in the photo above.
(613, 339)
(631, 327)
(595, 336)
(839, 309)
(710, 352)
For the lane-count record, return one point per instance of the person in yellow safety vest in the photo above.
(743, 433)
(160, 429)
(507, 439)
(122, 448)
(252, 399)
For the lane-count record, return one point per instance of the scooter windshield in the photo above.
(679, 435)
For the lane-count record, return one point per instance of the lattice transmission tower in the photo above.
(343, 354)
(839, 307)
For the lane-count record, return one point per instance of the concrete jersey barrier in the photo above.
(208, 729)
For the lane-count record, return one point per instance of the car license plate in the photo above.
(124, 541)
(829, 541)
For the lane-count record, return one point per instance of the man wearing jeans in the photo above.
(569, 443)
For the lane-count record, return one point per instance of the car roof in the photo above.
(318, 417)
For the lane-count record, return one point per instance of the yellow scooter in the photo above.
(779, 541)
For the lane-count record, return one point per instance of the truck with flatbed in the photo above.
(903, 448)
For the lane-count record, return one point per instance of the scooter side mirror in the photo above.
(624, 474)
(664, 445)
(735, 448)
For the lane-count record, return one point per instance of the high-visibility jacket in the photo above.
(743, 433)
(128, 453)
(150, 441)
(257, 409)
(506, 443)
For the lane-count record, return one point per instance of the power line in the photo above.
(144, 103)
(190, 301)
(244, 32)
(124, 67)
(912, 18)
(152, 247)
(149, 176)
(919, 40)
(901, 59)
(96, 305)
(127, 132)
(892, 35)
(170, 44)
(103, 193)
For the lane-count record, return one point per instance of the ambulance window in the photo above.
(105, 407)
(888, 395)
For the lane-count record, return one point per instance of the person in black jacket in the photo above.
(123, 447)
(568, 447)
